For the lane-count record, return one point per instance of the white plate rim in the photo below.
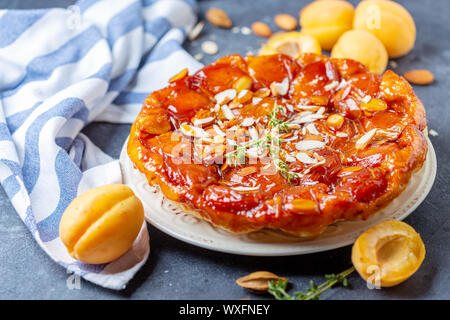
(427, 176)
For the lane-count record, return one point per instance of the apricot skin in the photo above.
(364, 47)
(393, 248)
(101, 224)
(326, 20)
(388, 21)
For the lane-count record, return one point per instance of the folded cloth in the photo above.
(60, 70)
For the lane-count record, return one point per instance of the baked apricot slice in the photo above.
(388, 253)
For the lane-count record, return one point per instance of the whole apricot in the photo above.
(388, 253)
(291, 43)
(327, 20)
(364, 47)
(101, 224)
(388, 21)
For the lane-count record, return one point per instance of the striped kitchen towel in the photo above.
(62, 69)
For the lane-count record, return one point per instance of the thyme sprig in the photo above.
(278, 288)
(270, 140)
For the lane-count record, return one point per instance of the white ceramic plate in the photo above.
(168, 217)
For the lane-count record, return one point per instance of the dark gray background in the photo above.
(176, 270)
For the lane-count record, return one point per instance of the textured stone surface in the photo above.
(177, 270)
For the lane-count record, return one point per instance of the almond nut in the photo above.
(218, 18)
(261, 29)
(258, 281)
(247, 171)
(420, 76)
(286, 22)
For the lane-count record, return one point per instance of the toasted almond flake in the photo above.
(321, 110)
(200, 122)
(312, 128)
(256, 100)
(342, 84)
(305, 145)
(210, 47)
(193, 131)
(290, 107)
(308, 118)
(433, 133)
(247, 122)
(290, 158)
(365, 139)
(341, 134)
(225, 96)
(247, 171)
(330, 86)
(227, 112)
(218, 131)
(366, 99)
(280, 88)
(195, 32)
(303, 157)
(244, 189)
(252, 152)
(304, 107)
(304, 114)
(253, 133)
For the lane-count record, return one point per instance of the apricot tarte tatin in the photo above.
(281, 143)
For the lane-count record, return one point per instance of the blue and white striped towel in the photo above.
(60, 70)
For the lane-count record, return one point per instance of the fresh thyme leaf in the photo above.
(278, 289)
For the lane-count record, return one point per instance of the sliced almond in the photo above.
(305, 145)
(247, 171)
(304, 158)
(365, 140)
(227, 112)
(261, 29)
(258, 281)
(195, 32)
(420, 76)
(218, 18)
(225, 96)
(279, 88)
(286, 22)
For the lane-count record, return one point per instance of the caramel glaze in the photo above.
(378, 173)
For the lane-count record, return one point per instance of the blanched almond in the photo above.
(286, 22)
(420, 76)
(261, 29)
(218, 18)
